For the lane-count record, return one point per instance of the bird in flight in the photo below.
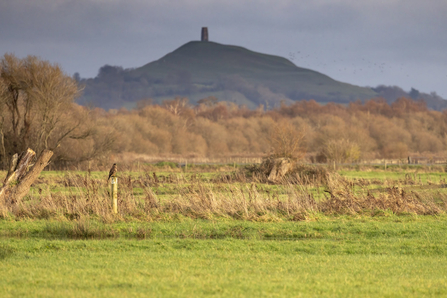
(112, 172)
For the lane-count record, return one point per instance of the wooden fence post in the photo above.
(114, 194)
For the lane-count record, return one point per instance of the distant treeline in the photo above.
(374, 129)
(37, 111)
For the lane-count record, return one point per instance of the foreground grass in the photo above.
(392, 256)
(195, 268)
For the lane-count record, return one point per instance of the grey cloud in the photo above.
(83, 35)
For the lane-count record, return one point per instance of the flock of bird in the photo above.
(314, 62)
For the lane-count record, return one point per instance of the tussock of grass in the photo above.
(5, 251)
(81, 229)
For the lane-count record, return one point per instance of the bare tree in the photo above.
(38, 97)
(176, 106)
(3, 92)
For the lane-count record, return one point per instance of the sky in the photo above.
(367, 43)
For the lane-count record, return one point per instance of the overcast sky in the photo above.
(366, 43)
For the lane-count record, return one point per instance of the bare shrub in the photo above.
(286, 141)
(286, 148)
(341, 151)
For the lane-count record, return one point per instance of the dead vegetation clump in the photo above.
(286, 149)
(296, 173)
(309, 175)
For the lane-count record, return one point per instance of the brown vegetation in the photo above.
(195, 198)
(330, 132)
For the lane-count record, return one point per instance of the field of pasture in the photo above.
(222, 230)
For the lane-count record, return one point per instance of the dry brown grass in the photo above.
(198, 199)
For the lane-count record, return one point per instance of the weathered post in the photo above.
(114, 193)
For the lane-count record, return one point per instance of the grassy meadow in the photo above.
(213, 231)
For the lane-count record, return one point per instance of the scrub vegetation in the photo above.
(237, 195)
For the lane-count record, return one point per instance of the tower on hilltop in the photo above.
(204, 34)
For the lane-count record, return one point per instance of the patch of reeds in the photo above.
(295, 200)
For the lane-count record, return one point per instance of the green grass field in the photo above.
(372, 254)
(332, 257)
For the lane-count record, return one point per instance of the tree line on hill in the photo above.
(38, 111)
(115, 86)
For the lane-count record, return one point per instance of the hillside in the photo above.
(198, 69)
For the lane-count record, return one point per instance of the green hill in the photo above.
(200, 69)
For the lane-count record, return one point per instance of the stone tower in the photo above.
(204, 34)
